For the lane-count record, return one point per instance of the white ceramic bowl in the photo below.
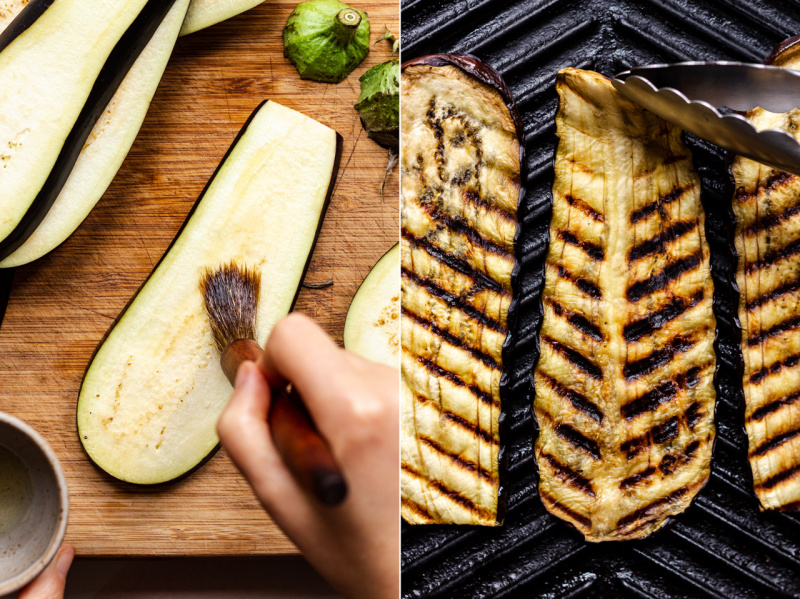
(34, 504)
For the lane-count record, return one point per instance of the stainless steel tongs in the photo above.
(689, 94)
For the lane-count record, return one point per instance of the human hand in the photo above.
(355, 406)
(51, 582)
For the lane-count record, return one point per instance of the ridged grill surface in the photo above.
(722, 546)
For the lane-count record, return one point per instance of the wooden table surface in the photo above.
(61, 306)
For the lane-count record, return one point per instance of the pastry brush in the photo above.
(231, 296)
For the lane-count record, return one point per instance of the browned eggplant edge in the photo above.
(115, 69)
(489, 76)
(329, 195)
(733, 256)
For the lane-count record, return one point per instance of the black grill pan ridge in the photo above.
(722, 546)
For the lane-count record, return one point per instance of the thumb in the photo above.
(50, 583)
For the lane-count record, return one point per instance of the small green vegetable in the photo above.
(326, 39)
(379, 103)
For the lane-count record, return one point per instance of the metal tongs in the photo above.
(688, 94)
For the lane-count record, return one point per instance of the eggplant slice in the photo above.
(108, 143)
(154, 390)
(460, 181)
(766, 203)
(624, 384)
(60, 65)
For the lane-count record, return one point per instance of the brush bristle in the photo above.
(231, 298)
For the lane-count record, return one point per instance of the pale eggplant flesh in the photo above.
(460, 189)
(372, 326)
(60, 65)
(108, 143)
(766, 205)
(205, 13)
(624, 389)
(154, 390)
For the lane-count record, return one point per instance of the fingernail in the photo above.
(243, 374)
(64, 560)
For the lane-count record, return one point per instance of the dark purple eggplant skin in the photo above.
(27, 17)
(328, 196)
(6, 280)
(489, 76)
(117, 65)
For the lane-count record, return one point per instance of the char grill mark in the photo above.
(464, 502)
(578, 401)
(589, 288)
(774, 256)
(661, 279)
(658, 243)
(575, 358)
(580, 519)
(472, 197)
(656, 320)
(453, 300)
(773, 406)
(779, 478)
(585, 208)
(437, 370)
(676, 193)
(580, 322)
(634, 361)
(592, 250)
(657, 358)
(649, 401)
(637, 478)
(782, 327)
(452, 261)
(449, 338)
(459, 421)
(568, 475)
(459, 225)
(457, 459)
(772, 220)
(652, 509)
(775, 442)
(760, 375)
(784, 289)
(773, 182)
(420, 512)
(577, 439)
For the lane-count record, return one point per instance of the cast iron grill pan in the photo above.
(722, 546)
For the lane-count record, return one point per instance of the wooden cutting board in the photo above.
(61, 306)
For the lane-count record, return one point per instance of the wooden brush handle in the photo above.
(300, 445)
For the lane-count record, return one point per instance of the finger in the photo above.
(51, 582)
(300, 352)
(245, 435)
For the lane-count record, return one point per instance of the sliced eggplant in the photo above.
(205, 13)
(625, 380)
(372, 327)
(107, 145)
(766, 203)
(460, 170)
(154, 389)
(60, 65)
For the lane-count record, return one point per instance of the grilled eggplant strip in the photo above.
(624, 383)
(460, 174)
(766, 204)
